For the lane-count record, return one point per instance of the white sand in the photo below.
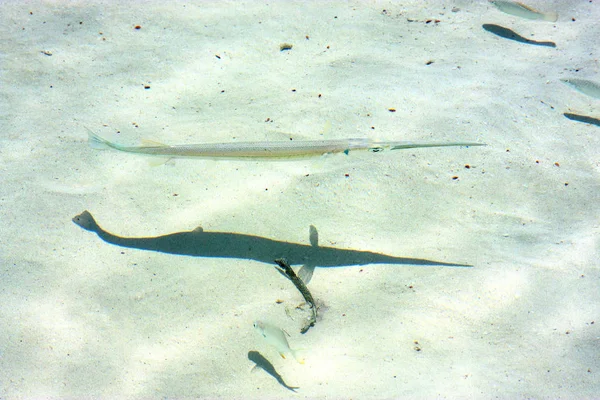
(81, 317)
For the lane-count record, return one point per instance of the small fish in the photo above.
(265, 150)
(521, 10)
(264, 364)
(512, 35)
(276, 337)
(589, 88)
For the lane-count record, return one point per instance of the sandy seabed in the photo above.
(84, 318)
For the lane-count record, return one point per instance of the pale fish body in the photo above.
(589, 88)
(264, 150)
(521, 10)
(276, 337)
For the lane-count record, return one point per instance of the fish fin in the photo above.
(326, 128)
(158, 161)
(321, 164)
(306, 272)
(298, 356)
(96, 142)
(151, 143)
(255, 368)
(313, 236)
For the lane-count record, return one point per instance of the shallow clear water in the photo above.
(439, 272)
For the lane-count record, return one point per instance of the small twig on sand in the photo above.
(284, 268)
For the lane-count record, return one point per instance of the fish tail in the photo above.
(96, 142)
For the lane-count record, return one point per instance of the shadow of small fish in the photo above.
(583, 118)
(264, 364)
(512, 35)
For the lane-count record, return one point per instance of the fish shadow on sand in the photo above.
(582, 118)
(199, 243)
(264, 364)
(512, 35)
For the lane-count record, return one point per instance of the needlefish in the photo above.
(266, 150)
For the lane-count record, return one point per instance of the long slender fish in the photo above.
(524, 11)
(584, 86)
(265, 150)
